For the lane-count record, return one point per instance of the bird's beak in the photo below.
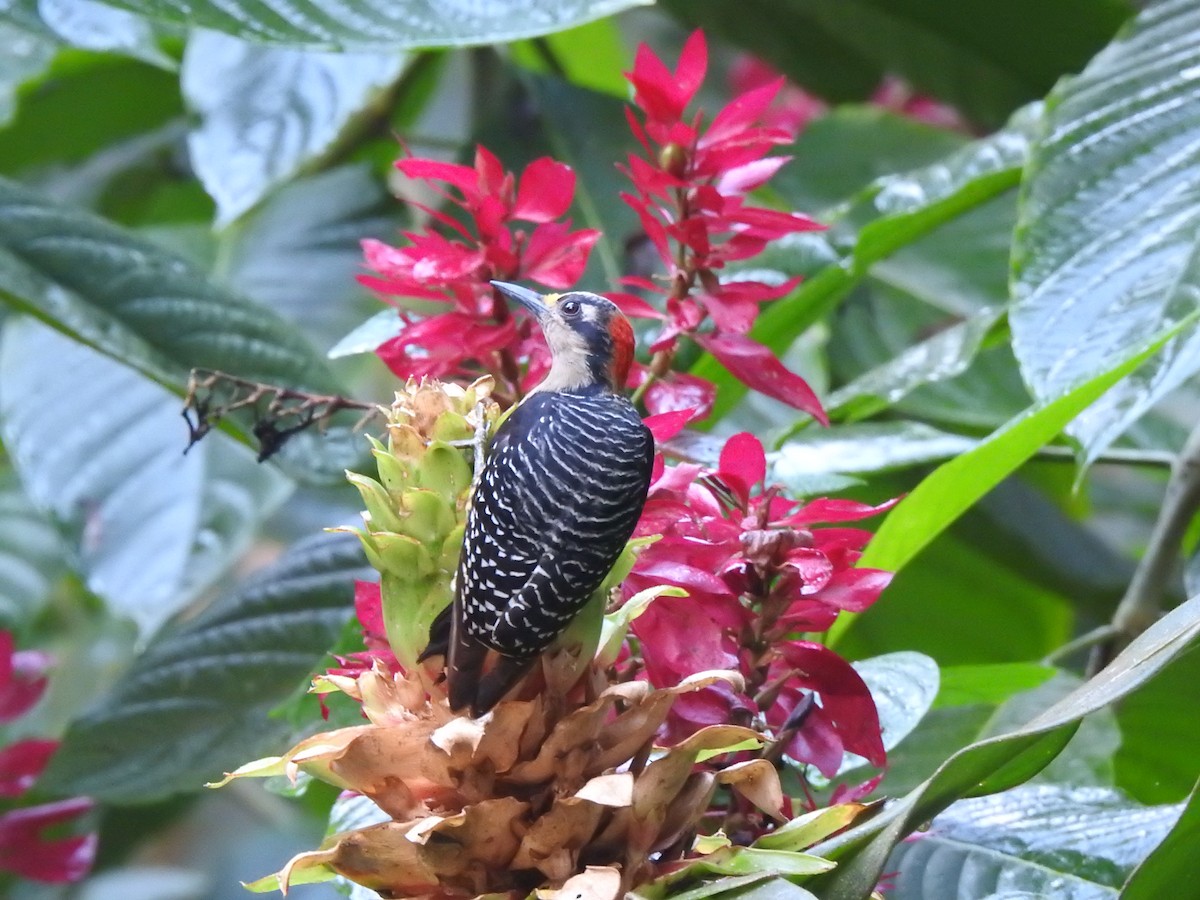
(531, 300)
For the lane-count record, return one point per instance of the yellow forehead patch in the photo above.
(550, 299)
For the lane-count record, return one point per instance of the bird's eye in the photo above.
(570, 307)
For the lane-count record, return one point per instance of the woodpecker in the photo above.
(562, 487)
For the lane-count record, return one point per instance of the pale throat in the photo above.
(569, 370)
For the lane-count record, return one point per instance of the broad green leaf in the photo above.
(1072, 843)
(1001, 762)
(1000, 613)
(944, 356)
(1087, 759)
(123, 98)
(959, 269)
(1172, 863)
(977, 56)
(268, 113)
(196, 701)
(100, 450)
(863, 448)
(299, 252)
(843, 151)
(156, 312)
(97, 26)
(403, 24)
(592, 56)
(904, 208)
(368, 335)
(1106, 249)
(955, 486)
(881, 326)
(988, 683)
(26, 55)
(1084, 760)
(31, 555)
(1157, 760)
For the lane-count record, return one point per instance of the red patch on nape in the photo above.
(621, 333)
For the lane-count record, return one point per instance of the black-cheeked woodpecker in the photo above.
(562, 487)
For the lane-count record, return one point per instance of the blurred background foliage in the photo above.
(1000, 319)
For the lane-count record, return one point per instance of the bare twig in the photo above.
(1142, 604)
(278, 413)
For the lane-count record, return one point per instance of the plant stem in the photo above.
(1142, 604)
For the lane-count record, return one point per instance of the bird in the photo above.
(562, 487)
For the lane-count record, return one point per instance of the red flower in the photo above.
(793, 108)
(368, 608)
(26, 849)
(756, 572)
(453, 267)
(21, 764)
(690, 198)
(22, 678)
(896, 95)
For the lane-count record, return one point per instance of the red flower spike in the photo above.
(455, 265)
(21, 764)
(26, 851)
(735, 552)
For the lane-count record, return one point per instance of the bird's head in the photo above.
(590, 340)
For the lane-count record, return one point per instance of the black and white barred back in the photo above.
(561, 492)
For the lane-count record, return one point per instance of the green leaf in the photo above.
(97, 26)
(1106, 246)
(1004, 761)
(867, 447)
(977, 56)
(1157, 759)
(100, 449)
(841, 152)
(592, 56)
(1063, 841)
(312, 225)
(961, 269)
(988, 683)
(26, 56)
(403, 24)
(1172, 864)
(122, 97)
(196, 701)
(154, 311)
(1012, 617)
(905, 208)
(268, 113)
(31, 555)
(955, 486)
(942, 357)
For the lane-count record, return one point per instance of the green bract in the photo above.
(413, 522)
